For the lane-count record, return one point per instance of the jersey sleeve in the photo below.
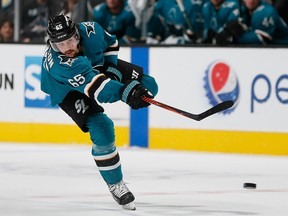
(234, 15)
(250, 37)
(111, 48)
(132, 31)
(98, 13)
(206, 19)
(265, 21)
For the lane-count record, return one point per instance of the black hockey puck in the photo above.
(249, 185)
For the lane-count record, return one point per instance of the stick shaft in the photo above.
(182, 9)
(198, 117)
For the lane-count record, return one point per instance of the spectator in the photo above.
(74, 9)
(216, 13)
(116, 17)
(6, 31)
(7, 9)
(259, 24)
(34, 21)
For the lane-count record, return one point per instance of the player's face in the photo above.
(251, 4)
(217, 3)
(113, 3)
(68, 47)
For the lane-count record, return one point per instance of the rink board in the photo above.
(220, 141)
(255, 125)
(180, 139)
(53, 133)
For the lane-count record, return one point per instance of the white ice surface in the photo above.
(58, 180)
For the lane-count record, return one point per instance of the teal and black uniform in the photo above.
(175, 22)
(79, 84)
(265, 26)
(216, 19)
(69, 74)
(121, 25)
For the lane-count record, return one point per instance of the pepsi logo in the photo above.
(221, 84)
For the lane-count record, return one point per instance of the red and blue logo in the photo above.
(221, 84)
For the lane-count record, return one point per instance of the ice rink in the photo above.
(58, 180)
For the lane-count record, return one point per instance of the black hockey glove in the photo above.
(132, 93)
(191, 37)
(236, 28)
(232, 30)
(210, 36)
(223, 38)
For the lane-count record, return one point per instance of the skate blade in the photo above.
(130, 206)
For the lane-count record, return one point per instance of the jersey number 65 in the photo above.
(77, 80)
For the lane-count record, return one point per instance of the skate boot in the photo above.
(122, 195)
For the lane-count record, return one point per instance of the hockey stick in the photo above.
(240, 8)
(198, 117)
(189, 32)
(182, 9)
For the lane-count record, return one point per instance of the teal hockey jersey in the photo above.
(61, 74)
(216, 19)
(121, 25)
(265, 26)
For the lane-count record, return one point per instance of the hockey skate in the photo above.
(122, 195)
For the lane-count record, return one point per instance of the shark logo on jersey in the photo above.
(89, 28)
(66, 60)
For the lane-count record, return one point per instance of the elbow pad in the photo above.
(96, 85)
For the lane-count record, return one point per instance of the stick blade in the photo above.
(218, 108)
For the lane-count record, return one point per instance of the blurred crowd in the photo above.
(219, 22)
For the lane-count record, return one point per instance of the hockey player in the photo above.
(79, 71)
(193, 24)
(259, 23)
(216, 13)
(174, 31)
(116, 17)
(178, 29)
(153, 30)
